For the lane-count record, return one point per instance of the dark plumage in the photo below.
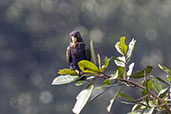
(76, 51)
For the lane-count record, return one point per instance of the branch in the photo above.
(149, 91)
(136, 85)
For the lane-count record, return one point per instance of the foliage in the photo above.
(154, 96)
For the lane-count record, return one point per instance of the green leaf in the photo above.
(149, 111)
(140, 74)
(164, 69)
(121, 61)
(67, 71)
(88, 67)
(113, 99)
(105, 83)
(144, 92)
(82, 99)
(152, 104)
(136, 107)
(121, 46)
(64, 79)
(163, 92)
(143, 111)
(149, 84)
(125, 96)
(106, 62)
(80, 82)
(93, 56)
(140, 111)
(115, 75)
(159, 79)
(105, 65)
(115, 58)
(157, 85)
(130, 49)
(120, 71)
(169, 78)
(99, 60)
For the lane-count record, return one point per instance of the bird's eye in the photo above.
(77, 34)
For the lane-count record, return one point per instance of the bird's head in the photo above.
(75, 36)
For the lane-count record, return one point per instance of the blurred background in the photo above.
(34, 35)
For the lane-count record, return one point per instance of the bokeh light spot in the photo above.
(45, 97)
(151, 34)
(96, 35)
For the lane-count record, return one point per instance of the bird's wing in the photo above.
(88, 54)
(68, 54)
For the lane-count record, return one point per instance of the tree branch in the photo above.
(139, 86)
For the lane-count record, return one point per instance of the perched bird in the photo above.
(76, 51)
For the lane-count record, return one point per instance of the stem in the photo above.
(150, 92)
(125, 68)
(125, 75)
(136, 85)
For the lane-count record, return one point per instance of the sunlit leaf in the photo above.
(163, 92)
(151, 103)
(113, 99)
(106, 62)
(115, 58)
(93, 56)
(114, 76)
(169, 78)
(99, 60)
(105, 65)
(64, 79)
(82, 99)
(136, 107)
(125, 96)
(130, 49)
(140, 74)
(168, 71)
(142, 111)
(121, 61)
(131, 66)
(67, 71)
(121, 46)
(88, 67)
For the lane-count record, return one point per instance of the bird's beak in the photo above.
(74, 39)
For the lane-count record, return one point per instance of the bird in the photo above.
(77, 51)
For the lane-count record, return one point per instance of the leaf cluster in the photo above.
(155, 91)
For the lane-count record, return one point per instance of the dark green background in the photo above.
(34, 35)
